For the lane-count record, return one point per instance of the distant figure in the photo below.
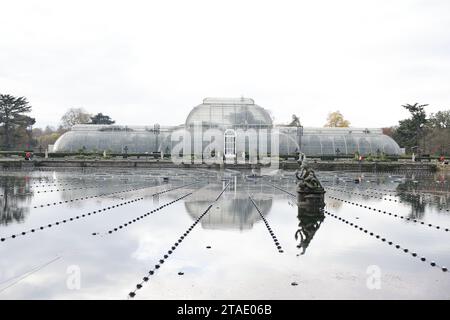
(413, 157)
(28, 155)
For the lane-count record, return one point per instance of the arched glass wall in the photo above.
(311, 144)
(112, 139)
(322, 144)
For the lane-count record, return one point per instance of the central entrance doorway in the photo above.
(229, 145)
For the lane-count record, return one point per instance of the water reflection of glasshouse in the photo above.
(236, 120)
(235, 211)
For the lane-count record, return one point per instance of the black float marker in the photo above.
(144, 215)
(91, 197)
(285, 191)
(391, 243)
(176, 244)
(78, 217)
(383, 195)
(113, 193)
(430, 225)
(71, 219)
(272, 234)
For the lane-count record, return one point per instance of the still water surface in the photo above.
(84, 234)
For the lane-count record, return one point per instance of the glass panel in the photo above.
(364, 146)
(306, 146)
(327, 145)
(315, 148)
(339, 145)
(352, 146)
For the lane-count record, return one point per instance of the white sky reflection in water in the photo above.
(242, 261)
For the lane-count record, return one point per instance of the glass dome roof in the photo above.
(229, 112)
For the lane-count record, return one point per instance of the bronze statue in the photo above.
(309, 189)
(307, 180)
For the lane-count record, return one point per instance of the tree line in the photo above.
(16, 126)
(422, 133)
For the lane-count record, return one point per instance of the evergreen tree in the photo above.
(410, 131)
(13, 118)
(101, 118)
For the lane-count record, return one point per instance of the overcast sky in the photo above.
(146, 62)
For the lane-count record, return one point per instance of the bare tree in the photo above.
(75, 116)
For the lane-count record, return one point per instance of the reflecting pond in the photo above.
(204, 234)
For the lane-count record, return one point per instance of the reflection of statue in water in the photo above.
(309, 189)
(308, 224)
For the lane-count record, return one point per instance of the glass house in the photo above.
(236, 120)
